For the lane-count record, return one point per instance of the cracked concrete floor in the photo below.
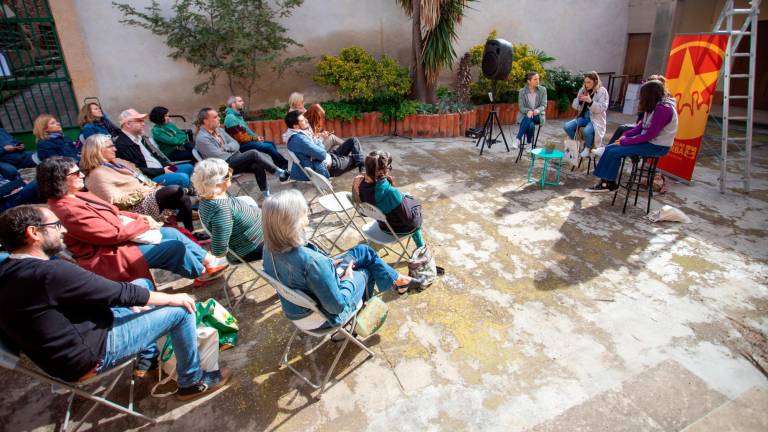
(557, 313)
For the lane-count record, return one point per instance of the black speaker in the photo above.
(497, 59)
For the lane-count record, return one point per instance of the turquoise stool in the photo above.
(546, 155)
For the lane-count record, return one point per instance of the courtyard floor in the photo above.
(556, 313)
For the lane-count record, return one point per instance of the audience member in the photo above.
(377, 188)
(296, 102)
(12, 156)
(173, 142)
(315, 116)
(532, 100)
(591, 103)
(51, 140)
(95, 121)
(654, 136)
(120, 183)
(16, 192)
(302, 266)
(312, 154)
(133, 147)
(213, 142)
(118, 245)
(234, 223)
(238, 129)
(74, 324)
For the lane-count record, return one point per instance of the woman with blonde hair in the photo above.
(591, 103)
(51, 140)
(296, 102)
(234, 223)
(120, 183)
(339, 284)
(93, 120)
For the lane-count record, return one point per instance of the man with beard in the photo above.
(73, 323)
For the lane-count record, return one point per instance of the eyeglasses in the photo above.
(56, 224)
(75, 173)
(229, 175)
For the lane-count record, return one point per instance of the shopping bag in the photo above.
(571, 151)
(371, 317)
(207, 349)
(212, 314)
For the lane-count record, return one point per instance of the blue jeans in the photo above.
(8, 171)
(610, 162)
(586, 123)
(175, 253)
(180, 177)
(528, 127)
(27, 195)
(370, 269)
(137, 333)
(267, 148)
(150, 352)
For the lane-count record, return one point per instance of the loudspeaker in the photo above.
(497, 59)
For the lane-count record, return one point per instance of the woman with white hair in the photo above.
(234, 223)
(338, 285)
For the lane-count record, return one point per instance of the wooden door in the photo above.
(637, 52)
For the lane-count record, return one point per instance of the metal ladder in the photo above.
(725, 25)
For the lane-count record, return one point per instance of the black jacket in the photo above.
(59, 314)
(130, 151)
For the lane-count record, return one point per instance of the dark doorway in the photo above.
(637, 53)
(741, 66)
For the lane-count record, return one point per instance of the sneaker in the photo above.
(285, 176)
(201, 236)
(209, 383)
(210, 274)
(516, 144)
(602, 187)
(585, 153)
(598, 151)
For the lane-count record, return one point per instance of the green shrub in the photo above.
(342, 110)
(275, 113)
(355, 74)
(562, 86)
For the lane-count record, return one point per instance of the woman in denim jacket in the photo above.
(337, 285)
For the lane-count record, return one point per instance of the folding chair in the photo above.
(154, 143)
(10, 359)
(300, 299)
(235, 177)
(371, 231)
(250, 201)
(295, 161)
(333, 203)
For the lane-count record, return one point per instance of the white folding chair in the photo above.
(333, 203)
(371, 231)
(300, 299)
(10, 359)
(235, 177)
(295, 161)
(250, 201)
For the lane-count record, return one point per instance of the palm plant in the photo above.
(434, 30)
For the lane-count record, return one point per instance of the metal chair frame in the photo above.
(640, 176)
(295, 161)
(533, 144)
(372, 232)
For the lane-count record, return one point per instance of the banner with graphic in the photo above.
(692, 71)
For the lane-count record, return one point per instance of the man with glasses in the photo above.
(72, 323)
(134, 147)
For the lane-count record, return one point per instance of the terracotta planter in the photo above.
(276, 127)
(454, 123)
(551, 111)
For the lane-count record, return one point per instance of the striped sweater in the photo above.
(232, 223)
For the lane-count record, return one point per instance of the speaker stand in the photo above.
(487, 138)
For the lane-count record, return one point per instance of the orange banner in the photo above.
(692, 71)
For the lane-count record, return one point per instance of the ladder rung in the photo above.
(741, 54)
(734, 32)
(737, 139)
(739, 76)
(737, 118)
(738, 97)
(741, 12)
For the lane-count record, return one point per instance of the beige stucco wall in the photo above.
(131, 67)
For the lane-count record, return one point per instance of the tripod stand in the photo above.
(487, 136)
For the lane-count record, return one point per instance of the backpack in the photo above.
(422, 265)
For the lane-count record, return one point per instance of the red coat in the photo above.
(97, 238)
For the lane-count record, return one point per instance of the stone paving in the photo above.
(557, 313)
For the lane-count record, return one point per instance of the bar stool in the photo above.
(640, 176)
(533, 145)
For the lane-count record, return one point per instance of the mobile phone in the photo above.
(342, 266)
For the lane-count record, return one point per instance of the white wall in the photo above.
(132, 67)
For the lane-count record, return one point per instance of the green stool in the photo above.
(546, 155)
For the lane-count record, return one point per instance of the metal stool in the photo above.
(641, 176)
(533, 145)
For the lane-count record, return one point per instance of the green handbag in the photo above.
(371, 317)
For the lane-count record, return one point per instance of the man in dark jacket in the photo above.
(12, 156)
(62, 316)
(134, 147)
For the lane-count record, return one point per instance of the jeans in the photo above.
(586, 123)
(610, 162)
(370, 269)
(27, 195)
(528, 127)
(175, 253)
(346, 157)
(137, 333)
(149, 353)
(8, 171)
(180, 177)
(267, 148)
